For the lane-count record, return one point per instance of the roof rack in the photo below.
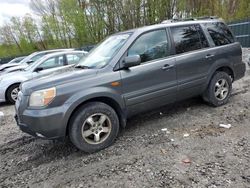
(190, 19)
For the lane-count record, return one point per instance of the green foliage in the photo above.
(75, 23)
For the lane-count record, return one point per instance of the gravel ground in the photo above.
(180, 145)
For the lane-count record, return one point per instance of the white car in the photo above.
(29, 60)
(9, 83)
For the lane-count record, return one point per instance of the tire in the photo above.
(10, 93)
(91, 120)
(219, 89)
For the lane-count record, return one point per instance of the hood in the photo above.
(7, 75)
(5, 66)
(15, 68)
(14, 77)
(56, 78)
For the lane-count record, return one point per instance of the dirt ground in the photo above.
(180, 145)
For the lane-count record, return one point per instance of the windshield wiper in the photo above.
(81, 67)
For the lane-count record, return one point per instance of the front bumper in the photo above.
(25, 128)
(2, 95)
(43, 123)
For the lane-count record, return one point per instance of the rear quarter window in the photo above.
(220, 33)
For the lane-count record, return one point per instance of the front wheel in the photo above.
(219, 89)
(94, 127)
(12, 93)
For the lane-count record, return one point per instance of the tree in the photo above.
(74, 23)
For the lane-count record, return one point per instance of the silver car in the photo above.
(29, 60)
(14, 62)
(9, 83)
(249, 60)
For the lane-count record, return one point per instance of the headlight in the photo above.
(42, 97)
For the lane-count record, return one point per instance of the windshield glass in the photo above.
(35, 58)
(33, 65)
(16, 60)
(27, 58)
(32, 58)
(104, 52)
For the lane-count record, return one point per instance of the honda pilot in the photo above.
(129, 73)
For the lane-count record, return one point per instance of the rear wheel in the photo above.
(12, 93)
(219, 89)
(94, 127)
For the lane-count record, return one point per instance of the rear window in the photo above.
(188, 38)
(220, 33)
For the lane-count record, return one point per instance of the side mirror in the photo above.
(29, 62)
(38, 69)
(131, 61)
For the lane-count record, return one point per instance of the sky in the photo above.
(9, 8)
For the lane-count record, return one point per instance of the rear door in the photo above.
(193, 59)
(152, 83)
(227, 51)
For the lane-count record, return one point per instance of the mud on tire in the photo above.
(219, 89)
(93, 127)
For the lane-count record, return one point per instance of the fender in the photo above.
(10, 79)
(79, 98)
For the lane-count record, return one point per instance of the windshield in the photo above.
(104, 52)
(16, 60)
(35, 58)
(33, 65)
(32, 58)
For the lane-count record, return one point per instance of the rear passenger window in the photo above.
(150, 46)
(220, 33)
(188, 38)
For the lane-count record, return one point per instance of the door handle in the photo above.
(209, 56)
(167, 67)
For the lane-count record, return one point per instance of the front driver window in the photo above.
(52, 62)
(73, 58)
(150, 46)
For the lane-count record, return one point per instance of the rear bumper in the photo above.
(239, 70)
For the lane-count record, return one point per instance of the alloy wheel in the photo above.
(14, 93)
(221, 89)
(96, 128)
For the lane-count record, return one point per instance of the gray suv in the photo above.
(129, 73)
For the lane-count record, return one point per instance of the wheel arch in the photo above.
(223, 68)
(226, 69)
(107, 100)
(6, 91)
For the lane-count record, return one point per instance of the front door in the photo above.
(152, 83)
(50, 65)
